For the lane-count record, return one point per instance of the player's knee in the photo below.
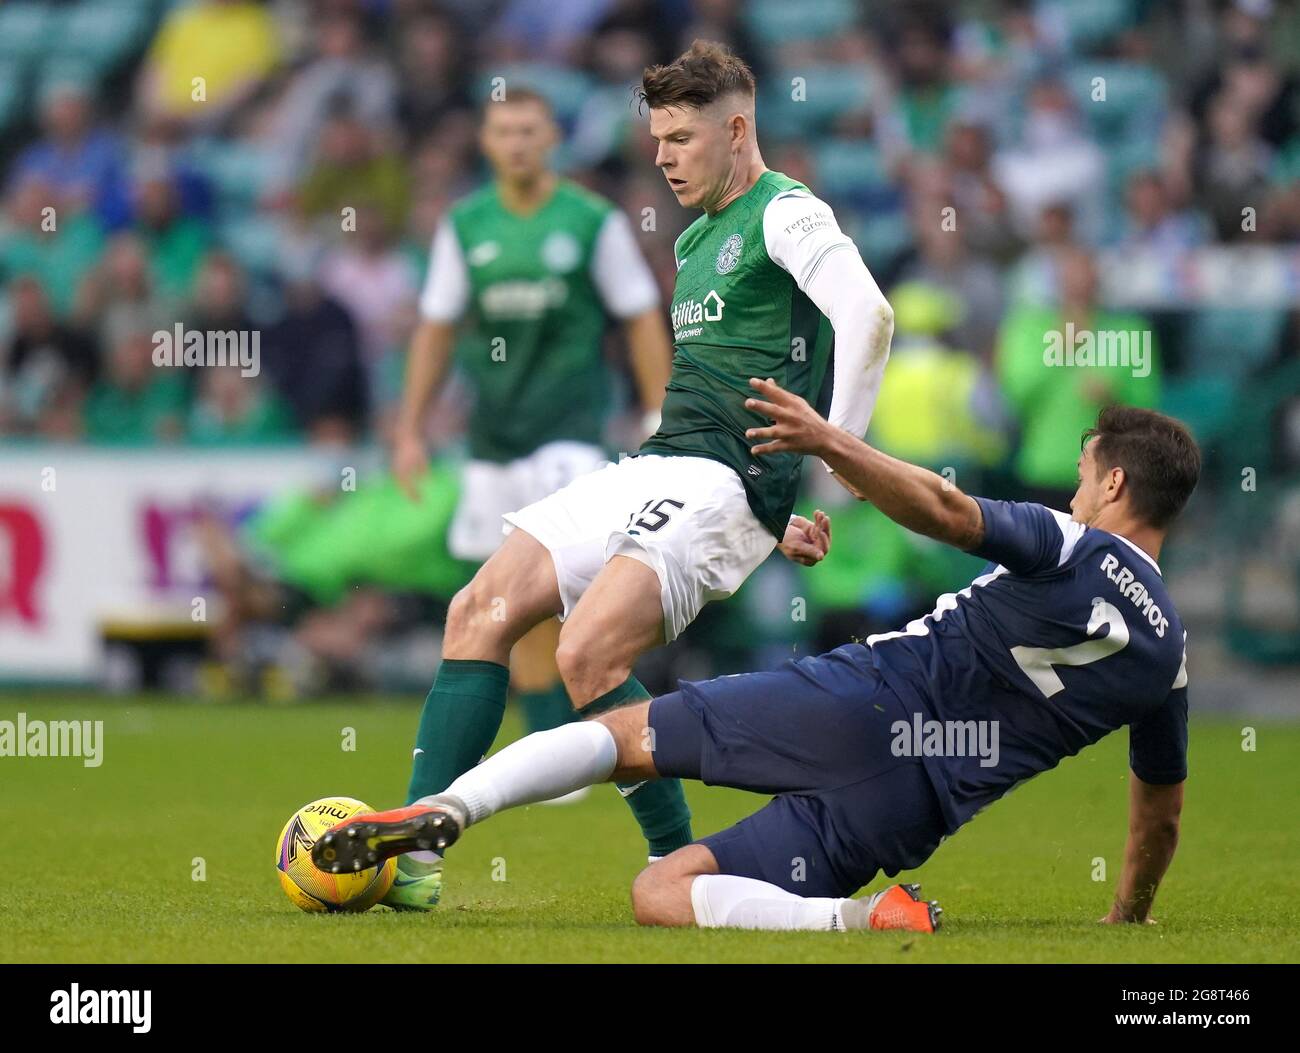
(477, 612)
(572, 655)
(568, 659)
(661, 894)
(587, 672)
(646, 905)
(459, 616)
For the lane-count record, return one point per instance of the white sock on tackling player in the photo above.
(537, 768)
(724, 901)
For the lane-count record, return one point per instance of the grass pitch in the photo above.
(109, 855)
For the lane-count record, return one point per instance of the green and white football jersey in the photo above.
(738, 312)
(535, 293)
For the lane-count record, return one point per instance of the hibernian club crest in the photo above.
(729, 254)
(561, 252)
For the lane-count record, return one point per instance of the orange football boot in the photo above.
(367, 840)
(901, 907)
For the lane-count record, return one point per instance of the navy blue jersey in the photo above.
(1066, 636)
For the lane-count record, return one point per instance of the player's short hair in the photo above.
(1161, 460)
(707, 71)
(516, 95)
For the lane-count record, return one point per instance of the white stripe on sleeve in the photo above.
(1071, 532)
(620, 273)
(446, 287)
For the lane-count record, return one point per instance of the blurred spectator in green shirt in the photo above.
(926, 97)
(137, 403)
(121, 291)
(57, 248)
(354, 166)
(233, 409)
(174, 242)
(1055, 385)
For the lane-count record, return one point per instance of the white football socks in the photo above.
(723, 901)
(536, 768)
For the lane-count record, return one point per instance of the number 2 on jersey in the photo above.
(1037, 662)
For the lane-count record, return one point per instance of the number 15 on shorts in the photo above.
(652, 518)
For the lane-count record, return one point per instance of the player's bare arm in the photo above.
(442, 302)
(650, 353)
(912, 496)
(1152, 839)
(426, 369)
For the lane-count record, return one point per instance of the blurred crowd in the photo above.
(978, 152)
(984, 155)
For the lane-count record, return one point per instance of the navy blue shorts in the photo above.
(816, 733)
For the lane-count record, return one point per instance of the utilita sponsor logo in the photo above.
(688, 314)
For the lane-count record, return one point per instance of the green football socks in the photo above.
(462, 715)
(547, 709)
(658, 804)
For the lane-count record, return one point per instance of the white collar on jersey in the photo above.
(1139, 552)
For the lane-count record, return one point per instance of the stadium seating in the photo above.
(101, 34)
(777, 22)
(805, 100)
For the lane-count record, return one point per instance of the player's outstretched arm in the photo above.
(1152, 839)
(802, 236)
(912, 496)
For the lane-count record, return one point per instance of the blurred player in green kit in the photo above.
(525, 275)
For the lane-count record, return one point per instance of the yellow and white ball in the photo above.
(312, 889)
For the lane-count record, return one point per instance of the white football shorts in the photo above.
(489, 490)
(686, 518)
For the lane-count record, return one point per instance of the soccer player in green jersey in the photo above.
(524, 276)
(626, 556)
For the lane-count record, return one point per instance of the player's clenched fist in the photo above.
(807, 541)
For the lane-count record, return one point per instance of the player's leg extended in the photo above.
(535, 679)
(536, 684)
(817, 734)
(511, 593)
(535, 768)
(688, 888)
(618, 619)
